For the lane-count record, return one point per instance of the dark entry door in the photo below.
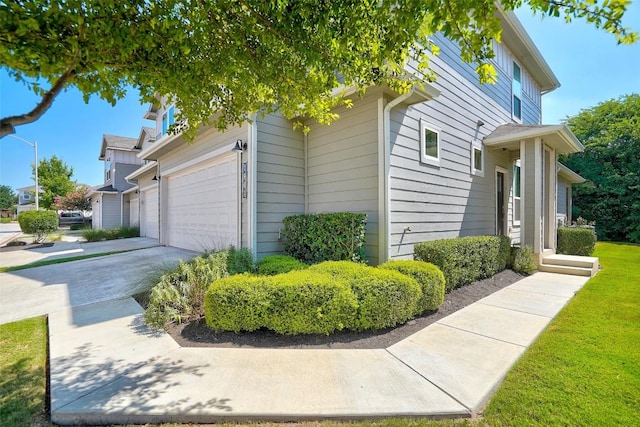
(500, 215)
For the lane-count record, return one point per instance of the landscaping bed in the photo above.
(198, 334)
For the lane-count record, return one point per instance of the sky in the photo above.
(589, 64)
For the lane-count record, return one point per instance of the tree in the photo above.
(7, 197)
(54, 179)
(610, 162)
(224, 60)
(75, 200)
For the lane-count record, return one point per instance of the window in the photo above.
(26, 195)
(168, 119)
(107, 168)
(429, 144)
(516, 192)
(516, 89)
(477, 160)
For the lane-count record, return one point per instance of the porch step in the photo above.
(570, 264)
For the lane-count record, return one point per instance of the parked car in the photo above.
(67, 218)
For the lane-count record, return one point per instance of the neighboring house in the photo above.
(451, 158)
(120, 159)
(26, 199)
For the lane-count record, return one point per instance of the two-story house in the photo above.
(119, 155)
(449, 158)
(26, 199)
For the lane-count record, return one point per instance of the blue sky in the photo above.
(589, 64)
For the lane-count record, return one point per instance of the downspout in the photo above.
(306, 173)
(384, 164)
(253, 184)
(121, 209)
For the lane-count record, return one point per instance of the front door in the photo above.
(500, 206)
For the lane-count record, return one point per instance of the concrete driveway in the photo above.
(44, 290)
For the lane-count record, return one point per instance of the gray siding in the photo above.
(280, 180)
(110, 210)
(562, 202)
(447, 200)
(343, 167)
(121, 171)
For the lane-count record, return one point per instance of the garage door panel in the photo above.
(203, 205)
(149, 213)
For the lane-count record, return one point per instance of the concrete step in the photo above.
(571, 260)
(565, 269)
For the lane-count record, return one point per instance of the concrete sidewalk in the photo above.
(72, 249)
(47, 289)
(108, 367)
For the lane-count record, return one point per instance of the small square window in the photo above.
(429, 144)
(516, 90)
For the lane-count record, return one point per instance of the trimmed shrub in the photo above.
(385, 297)
(99, 234)
(38, 223)
(465, 259)
(523, 260)
(239, 261)
(314, 238)
(428, 276)
(278, 264)
(576, 240)
(299, 302)
(179, 295)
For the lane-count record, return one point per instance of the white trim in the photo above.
(477, 146)
(424, 157)
(522, 187)
(513, 116)
(141, 170)
(538, 245)
(201, 159)
(158, 145)
(130, 190)
(517, 163)
(383, 231)
(253, 185)
(505, 200)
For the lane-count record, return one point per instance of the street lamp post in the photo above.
(33, 144)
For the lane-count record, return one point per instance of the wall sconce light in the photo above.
(240, 146)
(155, 178)
(480, 123)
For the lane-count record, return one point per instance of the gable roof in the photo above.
(118, 143)
(146, 134)
(559, 137)
(569, 175)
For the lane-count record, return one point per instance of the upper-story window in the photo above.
(26, 195)
(516, 90)
(429, 144)
(107, 169)
(168, 119)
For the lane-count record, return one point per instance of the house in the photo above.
(449, 158)
(26, 199)
(120, 159)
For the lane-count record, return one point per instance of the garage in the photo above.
(134, 211)
(149, 213)
(202, 205)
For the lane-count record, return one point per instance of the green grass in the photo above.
(585, 368)
(22, 372)
(60, 260)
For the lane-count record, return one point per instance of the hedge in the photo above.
(314, 238)
(466, 259)
(38, 223)
(299, 302)
(576, 240)
(278, 264)
(428, 276)
(385, 297)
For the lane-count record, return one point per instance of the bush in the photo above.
(239, 261)
(299, 302)
(99, 234)
(523, 260)
(385, 297)
(179, 295)
(465, 259)
(579, 240)
(428, 276)
(314, 238)
(278, 264)
(38, 223)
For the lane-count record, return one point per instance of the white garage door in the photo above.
(134, 209)
(149, 213)
(202, 206)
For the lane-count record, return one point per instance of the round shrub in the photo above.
(278, 264)
(523, 260)
(299, 302)
(428, 276)
(385, 297)
(38, 223)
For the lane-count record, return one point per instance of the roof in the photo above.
(516, 38)
(559, 137)
(104, 189)
(569, 175)
(146, 134)
(118, 143)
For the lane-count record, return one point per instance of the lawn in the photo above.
(583, 370)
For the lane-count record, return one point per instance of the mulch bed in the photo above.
(198, 334)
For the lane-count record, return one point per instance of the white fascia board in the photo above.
(141, 170)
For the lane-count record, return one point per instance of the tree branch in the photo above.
(8, 124)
